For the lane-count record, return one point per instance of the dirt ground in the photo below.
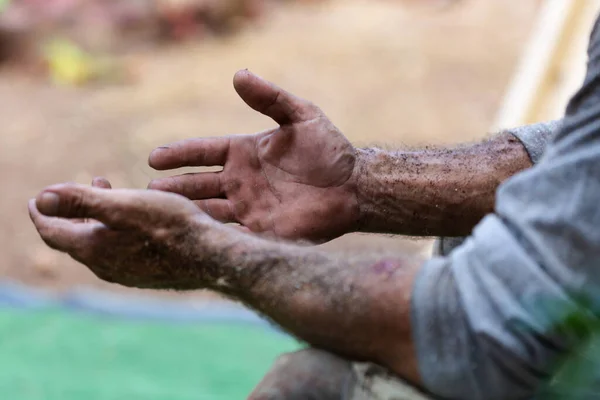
(383, 73)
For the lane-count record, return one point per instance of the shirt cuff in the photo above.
(536, 137)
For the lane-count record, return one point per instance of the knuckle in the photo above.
(76, 207)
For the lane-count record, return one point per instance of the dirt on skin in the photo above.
(384, 74)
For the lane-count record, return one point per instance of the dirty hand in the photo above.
(292, 182)
(140, 238)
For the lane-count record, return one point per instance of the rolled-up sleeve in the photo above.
(486, 317)
(535, 138)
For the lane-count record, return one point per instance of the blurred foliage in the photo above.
(68, 63)
(576, 374)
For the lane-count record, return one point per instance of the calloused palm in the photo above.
(293, 182)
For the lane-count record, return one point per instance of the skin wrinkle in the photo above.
(272, 103)
(276, 194)
(271, 188)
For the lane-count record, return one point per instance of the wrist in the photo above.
(216, 249)
(364, 187)
(235, 263)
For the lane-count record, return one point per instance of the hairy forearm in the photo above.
(434, 192)
(356, 307)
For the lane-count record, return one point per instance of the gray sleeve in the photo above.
(535, 139)
(487, 318)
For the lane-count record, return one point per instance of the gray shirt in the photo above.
(487, 317)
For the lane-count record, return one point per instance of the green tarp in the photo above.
(62, 355)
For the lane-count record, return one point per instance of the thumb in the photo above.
(121, 209)
(272, 101)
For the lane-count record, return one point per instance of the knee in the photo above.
(308, 374)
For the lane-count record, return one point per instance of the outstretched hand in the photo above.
(139, 238)
(292, 182)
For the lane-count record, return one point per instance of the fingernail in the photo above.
(48, 203)
(101, 183)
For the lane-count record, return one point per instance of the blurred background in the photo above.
(89, 87)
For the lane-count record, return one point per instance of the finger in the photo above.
(193, 186)
(272, 101)
(101, 183)
(98, 182)
(204, 152)
(119, 208)
(59, 234)
(219, 209)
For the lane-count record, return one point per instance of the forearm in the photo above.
(358, 308)
(434, 192)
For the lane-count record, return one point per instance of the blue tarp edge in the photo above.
(94, 301)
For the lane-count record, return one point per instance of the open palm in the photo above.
(292, 182)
